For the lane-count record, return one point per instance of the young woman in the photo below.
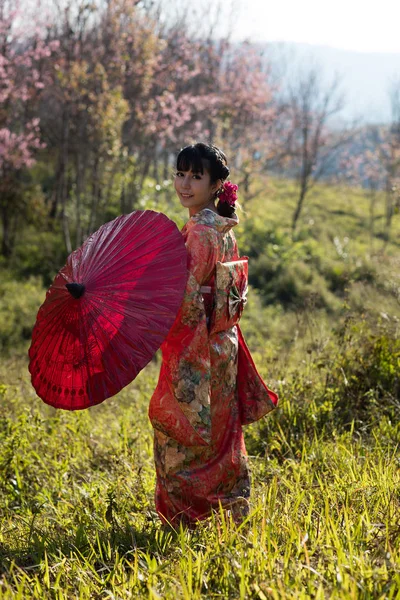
(208, 385)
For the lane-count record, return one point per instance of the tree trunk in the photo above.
(389, 210)
(300, 202)
(156, 170)
(166, 175)
(166, 172)
(67, 237)
(372, 201)
(79, 188)
(122, 201)
(59, 192)
(63, 187)
(304, 174)
(55, 197)
(95, 195)
(6, 244)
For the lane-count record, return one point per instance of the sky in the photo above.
(356, 25)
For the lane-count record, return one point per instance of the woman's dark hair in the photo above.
(198, 157)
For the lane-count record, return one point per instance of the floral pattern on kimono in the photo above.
(203, 395)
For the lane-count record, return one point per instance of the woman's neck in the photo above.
(210, 206)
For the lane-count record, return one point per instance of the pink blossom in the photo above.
(229, 193)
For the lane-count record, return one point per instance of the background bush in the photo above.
(19, 303)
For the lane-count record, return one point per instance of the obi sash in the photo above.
(230, 295)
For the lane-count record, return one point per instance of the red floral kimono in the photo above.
(208, 385)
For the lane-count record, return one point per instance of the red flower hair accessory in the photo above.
(229, 193)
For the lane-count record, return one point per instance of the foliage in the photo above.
(76, 489)
(349, 382)
(76, 506)
(112, 94)
(312, 144)
(19, 303)
(39, 254)
(104, 94)
(23, 75)
(333, 255)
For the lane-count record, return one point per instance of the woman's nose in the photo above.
(186, 182)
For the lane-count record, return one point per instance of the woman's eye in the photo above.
(180, 174)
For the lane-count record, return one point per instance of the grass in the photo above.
(77, 517)
(78, 521)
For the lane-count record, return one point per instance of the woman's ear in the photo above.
(217, 186)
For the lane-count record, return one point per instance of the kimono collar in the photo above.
(209, 217)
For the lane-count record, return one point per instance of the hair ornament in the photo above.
(228, 194)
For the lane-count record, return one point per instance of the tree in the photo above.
(391, 158)
(123, 89)
(361, 165)
(311, 144)
(246, 110)
(84, 125)
(382, 159)
(24, 55)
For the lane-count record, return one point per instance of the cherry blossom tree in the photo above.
(24, 55)
(390, 156)
(361, 165)
(113, 91)
(247, 111)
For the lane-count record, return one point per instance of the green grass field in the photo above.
(77, 515)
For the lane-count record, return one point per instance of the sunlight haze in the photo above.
(349, 25)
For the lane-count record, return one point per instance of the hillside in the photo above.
(366, 77)
(77, 515)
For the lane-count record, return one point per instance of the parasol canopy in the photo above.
(108, 310)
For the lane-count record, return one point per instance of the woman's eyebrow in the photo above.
(189, 171)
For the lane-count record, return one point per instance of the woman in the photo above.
(208, 385)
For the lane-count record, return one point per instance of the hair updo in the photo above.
(198, 157)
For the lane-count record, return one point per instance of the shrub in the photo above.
(39, 253)
(19, 303)
(364, 381)
(352, 385)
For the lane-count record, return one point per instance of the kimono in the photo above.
(208, 385)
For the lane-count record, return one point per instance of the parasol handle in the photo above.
(75, 289)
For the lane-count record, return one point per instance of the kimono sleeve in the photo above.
(255, 398)
(201, 244)
(183, 391)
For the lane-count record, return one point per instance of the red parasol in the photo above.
(108, 310)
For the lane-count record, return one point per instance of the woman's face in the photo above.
(195, 191)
